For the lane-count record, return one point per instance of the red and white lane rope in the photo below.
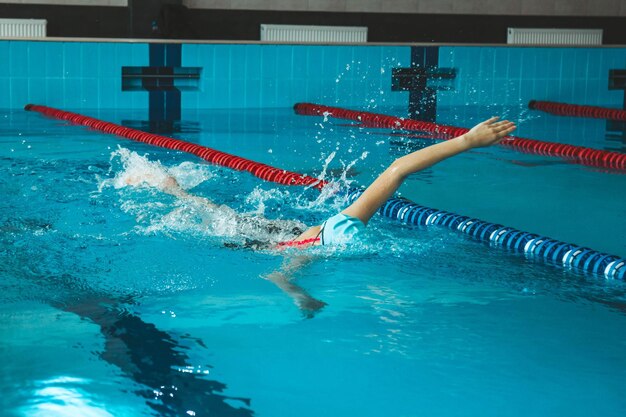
(263, 171)
(577, 154)
(577, 110)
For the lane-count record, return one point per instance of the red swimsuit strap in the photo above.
(297, 243)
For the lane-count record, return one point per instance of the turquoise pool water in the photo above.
(120, 300)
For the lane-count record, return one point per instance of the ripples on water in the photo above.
(144, 281)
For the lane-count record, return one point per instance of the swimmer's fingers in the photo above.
(503, 131)
(490, 121)
(488, 132)
(502, 126)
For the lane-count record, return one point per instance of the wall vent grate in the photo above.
(313, 34)
(23, 28)
(572, 37)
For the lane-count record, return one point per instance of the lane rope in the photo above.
(542, 248)
(577, 110)
(576, 154)
(263, 171)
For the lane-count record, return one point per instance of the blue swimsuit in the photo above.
(340, 228)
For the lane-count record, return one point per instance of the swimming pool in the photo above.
(124, 301)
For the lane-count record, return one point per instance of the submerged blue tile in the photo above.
(73, 94)
(205, 58)
(347, 55)
(136, 100)
(487, 62)
(53, 57)
(6, 58)
(132, 54)
(189, 100)
(552, 90)
(269, 67)
(540, 90)
(567, 64)
(447, 56)
(108, 60)
(549, 63)
(72, 59)
(221, 62)
(222, 95)
(329, 67)
(500, 62)
(514, 69)
(5, 97)
(612, 99)
(90, 65)
(206, 96)
(238, 60)
(284, 62)
(55, 92)
(374, 60)
(237, 94)
(109, 96)
(526, 90)
(581, 63)
(300, 62)
(529, 68)
(357, 59)
(252, 62)
(593, 68)
(292, 91)
(314, 62)
(253, 93)
(19, 92)
(189, 55)
(269, 95)
(18, 59)
(569, 92)
(36, 58)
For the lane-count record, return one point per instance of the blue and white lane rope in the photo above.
(538, 247)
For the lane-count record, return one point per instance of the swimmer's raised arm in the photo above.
(484, 134)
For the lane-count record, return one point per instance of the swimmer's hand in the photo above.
(488, 132)
(310, 306)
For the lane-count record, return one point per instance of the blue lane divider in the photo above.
(538, 247)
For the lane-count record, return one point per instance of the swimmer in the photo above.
(345, 225)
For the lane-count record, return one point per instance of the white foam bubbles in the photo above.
(139, 171)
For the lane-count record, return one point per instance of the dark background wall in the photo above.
(174, 21)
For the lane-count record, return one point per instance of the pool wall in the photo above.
(78, 75)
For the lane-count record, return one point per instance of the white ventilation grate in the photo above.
(523, 36)
(23, 28)
(313, 34)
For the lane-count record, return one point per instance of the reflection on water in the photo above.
(35, 258)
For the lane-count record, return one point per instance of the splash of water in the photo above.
(197, 217)
(191, 214)
(138, 171)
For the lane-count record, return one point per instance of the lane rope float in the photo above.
(548, 250)
(577, 110)
(577, 154)
(542, 248)
(263, 171)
